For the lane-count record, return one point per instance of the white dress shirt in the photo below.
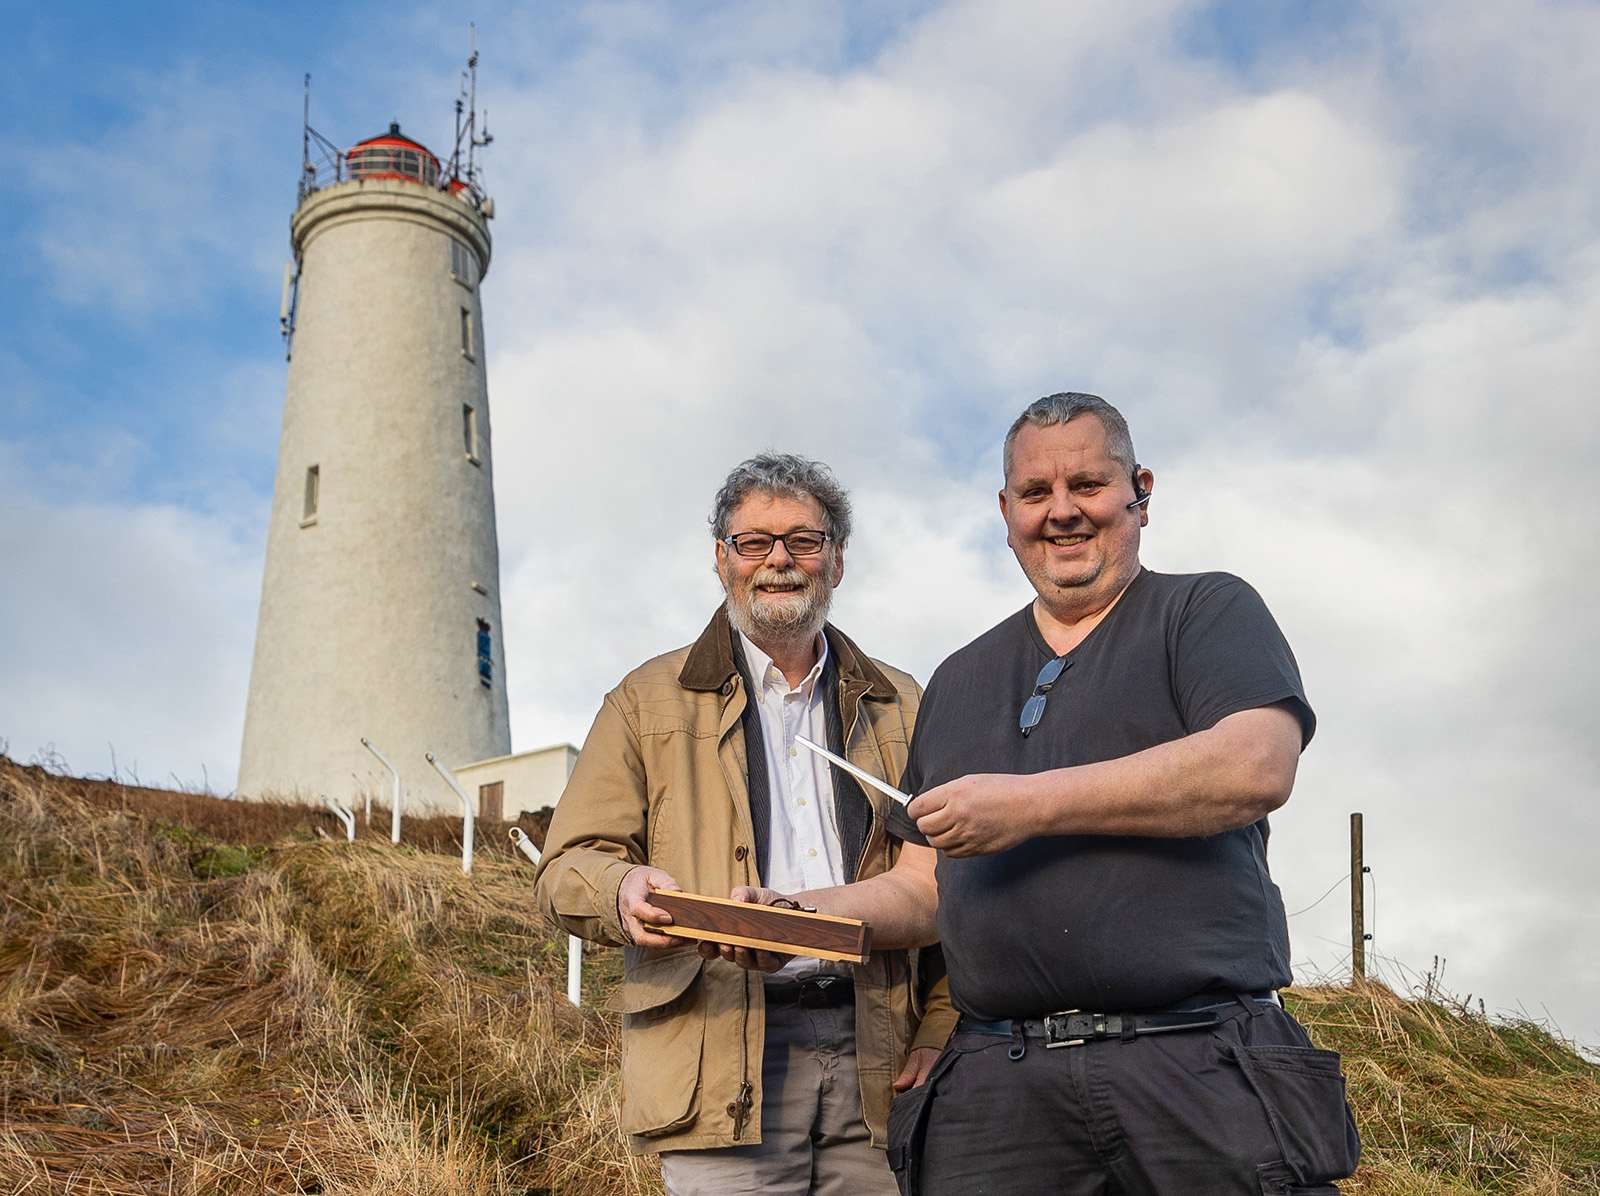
(804, 850)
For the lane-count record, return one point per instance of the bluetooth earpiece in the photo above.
(1140, 494)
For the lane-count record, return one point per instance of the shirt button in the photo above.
(794, 751)
(812, 852)
(802, 801)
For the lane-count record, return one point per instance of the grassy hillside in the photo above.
(200, 996)
(183, 1014)
(1451, 1102)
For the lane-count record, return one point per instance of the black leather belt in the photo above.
(1218, 998)
(1074, 1027)
(814, 992)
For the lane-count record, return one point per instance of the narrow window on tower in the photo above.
(469, 432)
(485, 656)
(308, 512)
(466, 334)
(463, 265)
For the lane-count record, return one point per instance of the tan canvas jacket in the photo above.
(662, 781)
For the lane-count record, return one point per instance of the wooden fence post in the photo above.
(1358, 912)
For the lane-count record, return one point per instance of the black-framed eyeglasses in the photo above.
(758, 544)
(1033, 708)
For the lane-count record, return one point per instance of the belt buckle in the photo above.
(1055, 1030)
(816, 992)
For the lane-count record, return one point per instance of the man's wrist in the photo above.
(1048, 802)
(610, 884)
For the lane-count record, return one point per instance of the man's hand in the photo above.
(915, 1073)
(979, 814)
(639, 917)
(747, 958)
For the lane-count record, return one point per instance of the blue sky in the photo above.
(1339, 265)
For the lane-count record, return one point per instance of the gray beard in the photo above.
(750, 614)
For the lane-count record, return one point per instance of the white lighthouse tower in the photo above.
(380, 606)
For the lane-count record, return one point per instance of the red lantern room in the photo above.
(392, 156)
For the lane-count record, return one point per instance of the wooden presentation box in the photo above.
(764, 927)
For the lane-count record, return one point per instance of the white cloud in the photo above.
(129, 631)
(1223, 203)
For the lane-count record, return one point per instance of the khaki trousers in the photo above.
(813, 1140)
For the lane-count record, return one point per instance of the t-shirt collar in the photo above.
(1094, 636)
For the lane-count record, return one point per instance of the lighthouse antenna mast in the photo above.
(327, 167)
(467, 131)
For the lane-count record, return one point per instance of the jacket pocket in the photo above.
(1302, 1091)
(663, 1037)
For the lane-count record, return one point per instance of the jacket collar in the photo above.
(710, 664)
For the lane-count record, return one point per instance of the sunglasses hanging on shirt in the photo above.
(1033, 708)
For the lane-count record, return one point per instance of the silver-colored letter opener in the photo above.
(859, 774)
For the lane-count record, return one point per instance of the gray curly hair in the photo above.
(784, 475)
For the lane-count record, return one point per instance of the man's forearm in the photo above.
(1215, 780)
(901, 904)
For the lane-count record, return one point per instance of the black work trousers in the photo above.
(1245, 1108)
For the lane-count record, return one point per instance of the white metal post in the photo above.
(574, 943)
(525, 845)
(394, 816)
(574, 969)
(345, 816)
(466, 810)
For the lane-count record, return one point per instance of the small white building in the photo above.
(523, 783)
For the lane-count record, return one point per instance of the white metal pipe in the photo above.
(525, 845)
(466, 810)
(394, 816)
(574, 943)
(345, 816)
(574, 969)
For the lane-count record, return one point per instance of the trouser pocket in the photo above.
(1277, 1180)
(1302, 1090)
(908, 1124)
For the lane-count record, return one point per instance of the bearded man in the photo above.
(775, 1079)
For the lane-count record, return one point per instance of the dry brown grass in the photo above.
(182, 1015)
(1450, 1101)
(199, 996)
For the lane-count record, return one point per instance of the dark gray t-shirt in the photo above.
(1102, 922)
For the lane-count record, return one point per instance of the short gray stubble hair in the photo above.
(1068, 405)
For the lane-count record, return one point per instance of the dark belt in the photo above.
(1074, 1027)
(814, 992)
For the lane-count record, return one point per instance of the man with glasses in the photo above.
(1097, 772)
(692, 777)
